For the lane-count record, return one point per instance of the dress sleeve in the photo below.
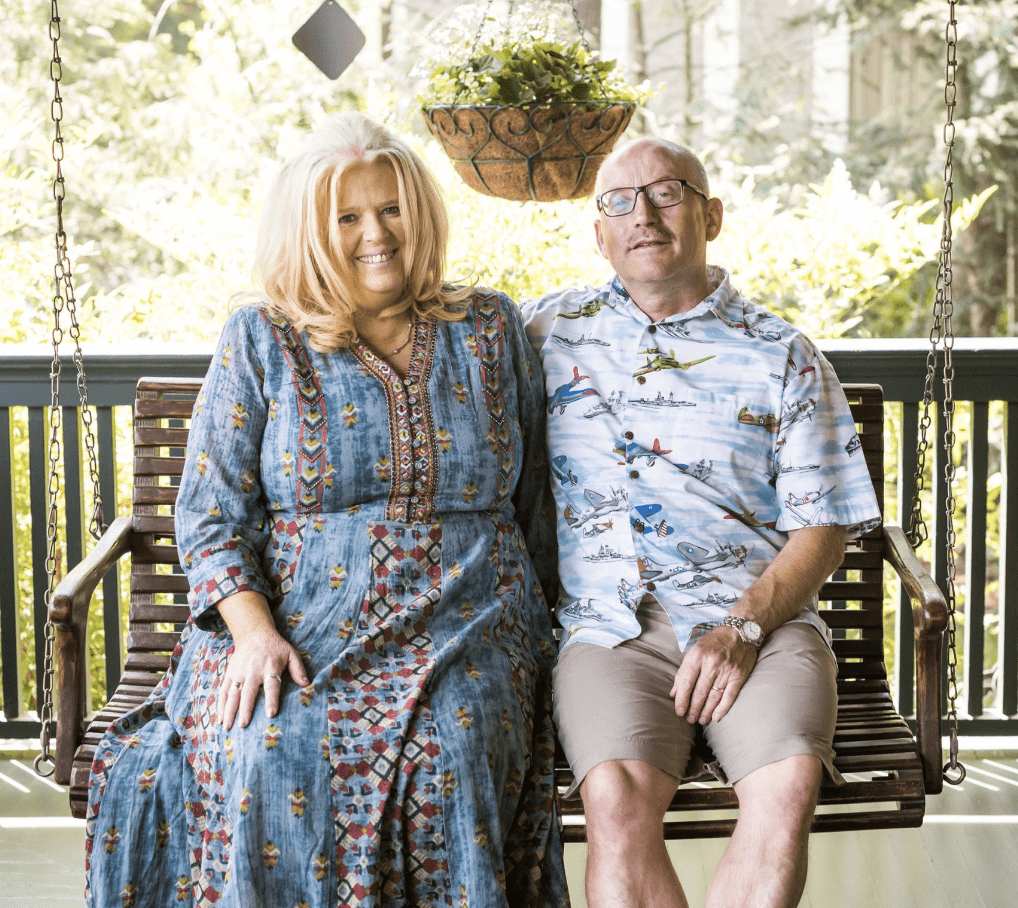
(221, 520)
(532, 499)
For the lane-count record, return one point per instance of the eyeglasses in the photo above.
(662, 194)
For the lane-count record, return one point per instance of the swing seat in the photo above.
(888, 769)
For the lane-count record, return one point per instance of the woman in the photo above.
(357, 713)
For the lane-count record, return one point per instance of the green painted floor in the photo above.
(965, 855)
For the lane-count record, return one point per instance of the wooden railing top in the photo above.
(986, 368)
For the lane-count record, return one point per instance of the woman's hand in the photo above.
(261, 658)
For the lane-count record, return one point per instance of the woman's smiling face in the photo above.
(372, 234)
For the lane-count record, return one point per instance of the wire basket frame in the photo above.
(541, 153)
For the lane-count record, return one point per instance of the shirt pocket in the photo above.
(725, 440)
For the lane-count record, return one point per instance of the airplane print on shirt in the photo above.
(587, 311)
(599, 506)
(723, 556)
(642, 521)
(561, 472)
(659, 362)
(568, 393)
(634, 451)
(751, 328)
(680, 331)
(606, 407)
(807, 509)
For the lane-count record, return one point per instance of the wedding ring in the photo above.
(272, 675)
(718, 689)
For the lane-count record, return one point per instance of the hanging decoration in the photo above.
(330, 39)
(528, 118)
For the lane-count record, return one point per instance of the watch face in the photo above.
(752, 630)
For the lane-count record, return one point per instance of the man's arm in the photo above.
(717, 665)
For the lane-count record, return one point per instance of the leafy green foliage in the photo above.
(520, 74)
(835, 262)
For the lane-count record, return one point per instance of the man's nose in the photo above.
(643, 211)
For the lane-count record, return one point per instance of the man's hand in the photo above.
(711, 675)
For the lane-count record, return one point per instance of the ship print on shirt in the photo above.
(581, 341)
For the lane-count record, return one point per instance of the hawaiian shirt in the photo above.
(683, 451)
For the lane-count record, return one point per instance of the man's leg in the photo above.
(765, 863)
(624, 802)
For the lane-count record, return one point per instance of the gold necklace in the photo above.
(409, 334)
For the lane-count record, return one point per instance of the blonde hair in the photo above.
(304, 280)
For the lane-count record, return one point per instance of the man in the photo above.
(706, 479)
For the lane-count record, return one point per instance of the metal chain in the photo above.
(485, 16)
(509, 15)
(63, 300)
(945, 305)
(586, 47)
(942, 332)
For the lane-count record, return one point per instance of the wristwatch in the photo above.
(749, 631)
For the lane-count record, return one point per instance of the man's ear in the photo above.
(600, 241)
(714, 216)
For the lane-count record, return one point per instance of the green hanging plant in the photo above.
(524, 73)
(523, 111)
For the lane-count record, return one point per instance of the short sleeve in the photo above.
(822, 478)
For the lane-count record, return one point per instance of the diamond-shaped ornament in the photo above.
(330, 39)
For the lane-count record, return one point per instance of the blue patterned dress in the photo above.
(388, 522)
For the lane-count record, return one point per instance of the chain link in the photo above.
(509, 14)
(586, 47)
(485, 16)
(63, 301)
(942, 334)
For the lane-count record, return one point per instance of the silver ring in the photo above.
(238, 684)
(272, 675)
(720, 689)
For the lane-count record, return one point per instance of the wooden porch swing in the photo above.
(889, 769)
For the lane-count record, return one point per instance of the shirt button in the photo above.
(641, 379)
(629, 435)
(634, 474)
(652, 329)
(649, 586)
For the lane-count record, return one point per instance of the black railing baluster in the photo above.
(975, 556)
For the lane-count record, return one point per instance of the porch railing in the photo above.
(986, 489)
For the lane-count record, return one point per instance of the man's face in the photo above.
(657, 250)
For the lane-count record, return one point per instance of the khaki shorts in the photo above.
(613, 704)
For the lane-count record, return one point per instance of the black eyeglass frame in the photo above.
(683, 184)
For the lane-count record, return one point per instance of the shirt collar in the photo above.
(725, 301)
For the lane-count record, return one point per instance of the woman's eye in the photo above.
(392, 210)
(347, 218)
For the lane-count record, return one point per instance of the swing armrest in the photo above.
(929, 618)
(68, 611)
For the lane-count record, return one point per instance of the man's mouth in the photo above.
(647, 242)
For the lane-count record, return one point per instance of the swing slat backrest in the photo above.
(875, 748)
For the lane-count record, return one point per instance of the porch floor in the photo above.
(963, 857)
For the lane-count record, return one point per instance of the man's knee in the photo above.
(625, 797)
(785, 793)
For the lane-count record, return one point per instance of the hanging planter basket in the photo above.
(542, 153)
